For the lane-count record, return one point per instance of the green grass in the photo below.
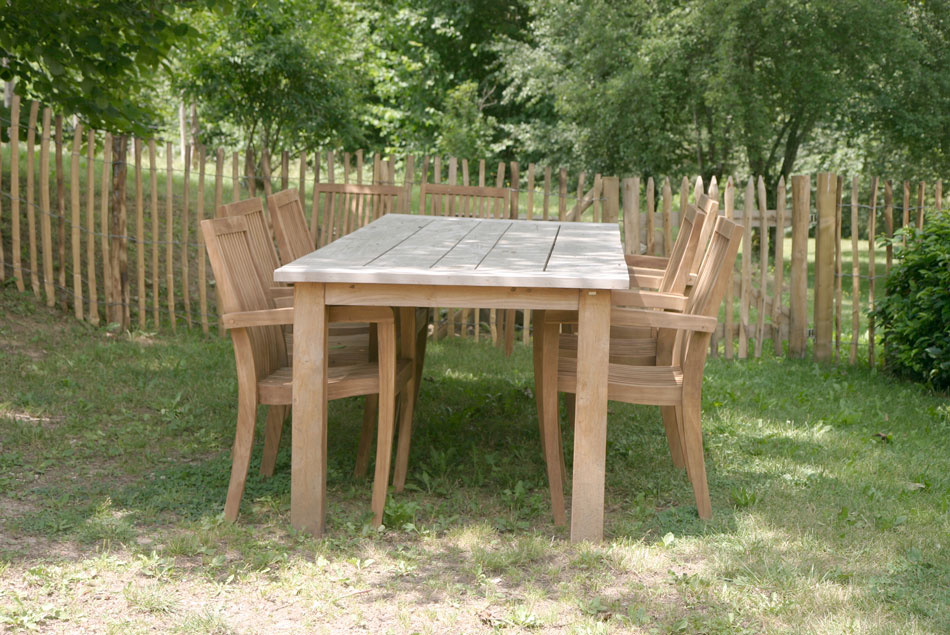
(830, 486)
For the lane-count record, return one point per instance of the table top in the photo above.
(436, 250)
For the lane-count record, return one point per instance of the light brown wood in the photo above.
(463, 290)
(798, 304)
(562, 195)
(119, 251)
(290, 226)
(779, 267)
(872, 271)
(91, 225)
(748, 205)
(154, 213)
(265, 378)
(651, 208)
(15, 193)
(888, 226)
(170, 236)
(905, 211)
(729, 198)
(235, 178)
(824, 265)
(202, 267)
(46, 230)
(674, 382)
(186, 236)
(631, 215)
(839, 291)
(855, 275)
(104, 224)
(60, 212)
(75, 222)
(667, 217)
(140, 240)
(763, 268)
(921, 189)
(714, 337)
(30, 206)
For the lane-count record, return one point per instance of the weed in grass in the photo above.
(206, 623)
(152, 598)
(28, 615)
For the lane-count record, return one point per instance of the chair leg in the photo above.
(406, 407)
(537, 350)
(552, 429)
(241, 454)
(272, 432)
(673, 435)
(387, 415)
(692, 435)
(370, 409)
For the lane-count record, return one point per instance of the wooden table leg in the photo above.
(308, 459)
(590, 426)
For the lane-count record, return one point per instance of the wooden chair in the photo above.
(295, 241)
(674, 381)
(647, 272)
(261, 241)
(471, 201)
(345, 207)
(264, 377)
(637, 345)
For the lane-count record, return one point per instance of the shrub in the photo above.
(915, 312)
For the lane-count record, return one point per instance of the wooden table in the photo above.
(426, 261)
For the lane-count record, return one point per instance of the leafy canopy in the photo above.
(97, 58)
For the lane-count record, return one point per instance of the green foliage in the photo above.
(915, 312)
(274, 74)
(658, 87)
(464, 130)
(97, 58)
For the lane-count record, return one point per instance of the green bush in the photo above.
(915, 312)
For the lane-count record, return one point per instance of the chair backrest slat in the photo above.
(463, 200)
(346, 207)
(261, 239)
(290, 225)
(228, 242)
(682, 255)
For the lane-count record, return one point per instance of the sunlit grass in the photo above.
(829, 485)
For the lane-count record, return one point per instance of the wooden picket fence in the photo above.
(131, 253)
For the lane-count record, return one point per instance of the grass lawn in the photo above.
(830, 487)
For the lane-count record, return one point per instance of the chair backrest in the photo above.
(340, 208)
(290, 225)
(682, 255)
(710, 287)
(463, 200)
(711, 207)
(261, 240)
(228, 242)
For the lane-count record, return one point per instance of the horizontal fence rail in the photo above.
(108, 227)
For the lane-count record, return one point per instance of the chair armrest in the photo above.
(659, 319)
(268, 317)
(283, 302)
(642, 299)
(649, 262)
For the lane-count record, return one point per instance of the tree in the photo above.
(688, 85)
(95, 58)
(274, 74)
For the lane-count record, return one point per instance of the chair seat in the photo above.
(649, 385)
(342, 381)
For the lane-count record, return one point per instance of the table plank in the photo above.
(524, 247)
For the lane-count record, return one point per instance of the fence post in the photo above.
(824, 265)
(798, 302)
(119, 312)
(15, 190)
(777, 317)
(631, 215)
